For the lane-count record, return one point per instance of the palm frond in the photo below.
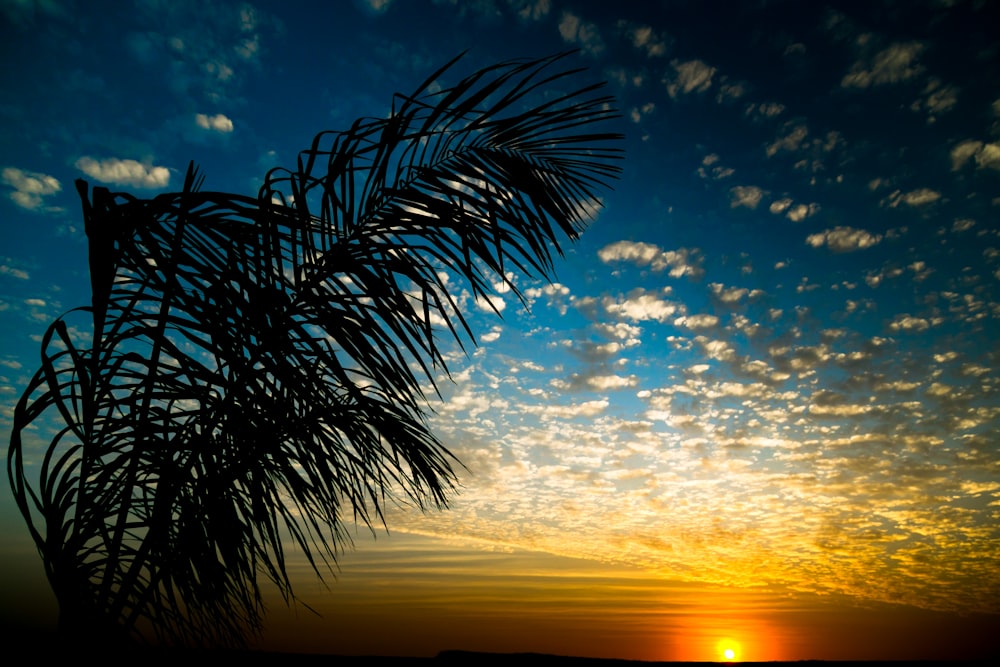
(258, 364)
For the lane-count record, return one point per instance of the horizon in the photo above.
(757, 408)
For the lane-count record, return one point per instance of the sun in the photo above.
(728, 650)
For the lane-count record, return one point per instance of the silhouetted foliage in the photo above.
(258, 365)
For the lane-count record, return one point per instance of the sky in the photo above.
(756, 410)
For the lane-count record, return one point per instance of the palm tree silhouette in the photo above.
(258, 365)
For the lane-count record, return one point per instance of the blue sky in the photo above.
(771, 361)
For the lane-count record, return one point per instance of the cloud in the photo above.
(800, 212)
(983, 154)
(376, 6)
(638, 113)
(582, 382)
(491, 303)
(717, 171)
(891, 65)
(745, 195)
(764, 110)
(124, 172)
(644, 38)
(693, 76)
(681, 262)
(844, 239)
(29, 187)
(918, 197)
(7, 270)
(907, 322)
(697, 321)
(792, 141)
(730, 295)
(216, 123)
(937, 98)
(531, 10)
(641, 305)
(576, 31)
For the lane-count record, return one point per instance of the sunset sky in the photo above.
(758, 409)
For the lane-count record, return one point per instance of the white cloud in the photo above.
(638, 113)
(906, 322)
(846, 410)
(124, 172)
(644, 307)
(644, 38)
(641, 306)
(606, 382)
(697, 321)
(745, 195)
(791, 141)
(765, 109)
(983, 154)
(576, 31)
(681, 261)
(533, 11)
(584, 409)
(216, 123)
(7, 270)
(844, 239)
(693, 76)
(937, 99)
(891, 65)
(29, 186)
(988, 156)
(732, 294)
(800, 212)
(962, 224)
(491, 303)
(918, 197)
(719, 350)
(780, 205)
(961, 153)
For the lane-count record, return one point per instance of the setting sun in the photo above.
(728, 650)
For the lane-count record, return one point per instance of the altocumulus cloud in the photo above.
(983, 154)
(844, 239)
(693, 76)
(898, 62)
(29, 187)
(681, 262)
(124, 172)
(216, 123)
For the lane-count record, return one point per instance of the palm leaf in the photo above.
(258, 364)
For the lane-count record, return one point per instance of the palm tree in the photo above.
(258, 366)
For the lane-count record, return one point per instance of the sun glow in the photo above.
(728, 650)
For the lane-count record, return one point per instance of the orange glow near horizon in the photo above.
(730, 640)
(728, 650)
